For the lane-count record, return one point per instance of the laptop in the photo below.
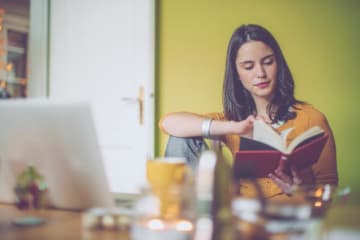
(59, 139)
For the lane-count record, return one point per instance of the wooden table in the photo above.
(59, 224)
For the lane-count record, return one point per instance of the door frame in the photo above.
(150, 95)
(39, 52)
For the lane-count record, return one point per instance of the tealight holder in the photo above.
(103, 219)
(297, 216)
(153, 222)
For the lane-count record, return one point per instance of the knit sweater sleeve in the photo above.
(325, 169)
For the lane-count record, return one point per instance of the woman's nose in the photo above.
(260, 71)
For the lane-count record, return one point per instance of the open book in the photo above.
(268, 150)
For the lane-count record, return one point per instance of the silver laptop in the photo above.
(59, 139)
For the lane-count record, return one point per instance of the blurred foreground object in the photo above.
(165, 207)
(116, 219)
(31, 189)
(4, 93)
(149, 223)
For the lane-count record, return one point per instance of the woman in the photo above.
(259, 84)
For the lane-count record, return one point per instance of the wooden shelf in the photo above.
(17, 50)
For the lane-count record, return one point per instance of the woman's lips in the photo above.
(263, 84)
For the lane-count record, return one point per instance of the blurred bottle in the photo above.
(213, 184)
(148, 224)
(4, 93)
(204, 195)
(221, 207)
(227, 224)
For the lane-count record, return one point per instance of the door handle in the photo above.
(140, 101)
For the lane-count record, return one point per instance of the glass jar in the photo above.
(153, 222)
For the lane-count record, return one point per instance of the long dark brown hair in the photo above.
(238, 103)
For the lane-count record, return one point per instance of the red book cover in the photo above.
(259, 163)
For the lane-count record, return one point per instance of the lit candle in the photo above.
(156, 224)
(318, 204)
(184, 226)
(158, 229)
(108, 222)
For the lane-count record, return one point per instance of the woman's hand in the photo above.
(284, 181)
(245, 127)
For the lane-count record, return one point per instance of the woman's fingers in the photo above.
(285, 182)
(245, 127)
(283, 176)
(251, 119)
(284, 186)
(296, 178)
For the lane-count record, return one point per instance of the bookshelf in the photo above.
(14, 31)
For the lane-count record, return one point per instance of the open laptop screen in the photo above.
(59, 139)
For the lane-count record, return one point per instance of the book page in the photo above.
(264, 133)
(311, 132)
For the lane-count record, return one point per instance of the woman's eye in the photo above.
(248, 67)
(269, 61)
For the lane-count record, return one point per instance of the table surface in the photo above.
(61, 224)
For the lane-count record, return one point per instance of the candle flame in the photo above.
(184, 226)
(156, 224)
(318, 193)
(318, 204)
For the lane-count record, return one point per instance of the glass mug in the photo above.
(176, 222)
(169, 178)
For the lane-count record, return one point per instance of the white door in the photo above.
(103, 51)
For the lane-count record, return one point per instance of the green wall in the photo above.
(320, 42)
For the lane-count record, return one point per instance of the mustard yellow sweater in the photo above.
(324, 171)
